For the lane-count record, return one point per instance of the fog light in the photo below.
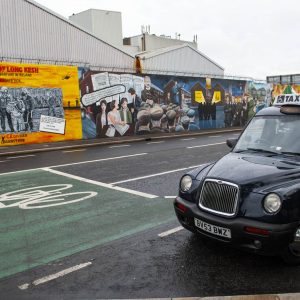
(181, 207)
(297, 235)
(257, 244)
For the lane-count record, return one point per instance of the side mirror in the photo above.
(231, 142)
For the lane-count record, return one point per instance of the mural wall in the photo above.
(125, 104)
(38, 103)
(284, 89)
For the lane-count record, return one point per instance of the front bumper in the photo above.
(279, 237)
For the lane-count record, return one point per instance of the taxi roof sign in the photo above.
(287, 99)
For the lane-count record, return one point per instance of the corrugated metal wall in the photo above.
(30, 34)
(183, 61)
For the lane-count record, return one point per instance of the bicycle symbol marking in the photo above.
(43, 196)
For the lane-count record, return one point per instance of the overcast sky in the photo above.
(255, 38)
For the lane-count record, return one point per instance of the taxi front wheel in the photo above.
(291, 254)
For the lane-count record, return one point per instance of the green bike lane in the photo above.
(49, 231)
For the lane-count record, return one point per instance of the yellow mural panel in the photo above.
(199, 97)
(216, 97)
(29, 91)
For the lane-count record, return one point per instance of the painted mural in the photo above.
(125, 104)
(38, 103)
(279, 89)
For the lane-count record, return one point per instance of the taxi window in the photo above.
(272, 133)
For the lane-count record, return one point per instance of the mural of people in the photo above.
(156, 103)
(21, 108)
(115, 122)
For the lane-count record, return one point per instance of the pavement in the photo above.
(44, 147)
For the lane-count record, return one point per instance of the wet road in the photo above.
(137, 261)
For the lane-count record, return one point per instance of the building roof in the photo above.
(150, 54)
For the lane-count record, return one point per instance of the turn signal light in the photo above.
(258, 231)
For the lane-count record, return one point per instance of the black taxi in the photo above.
(250, 198)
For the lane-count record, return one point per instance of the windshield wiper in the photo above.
(261, 150)
(291, 153)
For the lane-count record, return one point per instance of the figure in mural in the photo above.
(143, 123)
(5, 99)
(126, 115)
(156, 114)
(171, 115)
(175, 94)
(27, 115)
(148, 94)
(17, 109)
(101, 120)
(116, 125)
(244, 111)
(213, 114)
(192, 125)
(251, 108)
(260, 104)
(201, 114)
(52, 104)
(136, 102)
(227, 112)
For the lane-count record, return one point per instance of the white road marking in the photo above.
(158, 142)
(154, 175)
(170, 197)
(102, 184)
(189, 139)
(21, 156)
(3, 161)
(171, 231)
(214, 136)
(207, 145)
(78, 150)
(119, 146)
(55, 276)
(77, 163)
(24, 286)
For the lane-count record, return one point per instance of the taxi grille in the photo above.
(219, 197)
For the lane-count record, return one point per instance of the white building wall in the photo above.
(31, 33)
(83, 19)
(106, 25)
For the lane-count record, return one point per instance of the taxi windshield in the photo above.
(271, 134)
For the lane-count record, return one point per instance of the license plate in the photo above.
(216, 230)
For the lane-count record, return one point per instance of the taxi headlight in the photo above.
(186, 183)
(272, 203)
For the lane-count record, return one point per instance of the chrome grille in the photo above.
(219, 197)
